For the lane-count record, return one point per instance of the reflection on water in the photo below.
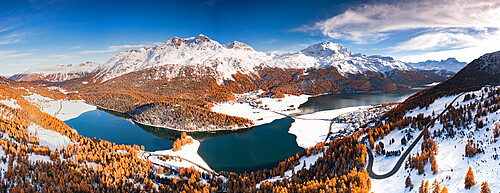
(337, 101)
(102, 125)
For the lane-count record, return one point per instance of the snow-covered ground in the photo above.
(12, 103)
(49, 138)
(188, 152)
(61, 109)
(261, 110)
(313, 128)
(309, 161)
(450, 159)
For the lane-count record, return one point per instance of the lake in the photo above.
(246, 150)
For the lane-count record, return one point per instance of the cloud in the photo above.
(12, 54)
(270, 41)
(208, 3)
(111, 49)
(12, 38)
(472, 49)
(375, 22)
(443, 39)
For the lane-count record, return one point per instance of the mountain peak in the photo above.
(202, 38)
(238, 46)
(326, 49)
(490, 63)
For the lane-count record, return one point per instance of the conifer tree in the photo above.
(485, 188)
(435, 187)
(469, 179)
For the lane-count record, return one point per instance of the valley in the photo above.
(175, 84)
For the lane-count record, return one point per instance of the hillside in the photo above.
(41, 153)
(57, 73)
(444, 129)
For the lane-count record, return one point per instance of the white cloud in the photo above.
(435, 29)
(477, 46)
(12, 38)
(12, 54)
(375, 22)
(443, 39)
(111, 49)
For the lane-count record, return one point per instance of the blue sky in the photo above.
(37, 33)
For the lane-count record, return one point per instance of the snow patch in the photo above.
(61, 109)
(188, 152)
(49, 138)
(313, 128)
(12, 103)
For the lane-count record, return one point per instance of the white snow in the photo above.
(309, 161)
(61, 109)
(260, 110)
(451, 158)
(12, 103)
(209, 57)
(450, 64)
(34, 158)
(313, 128)
(57, 73)
(188, 152)
(49, 138)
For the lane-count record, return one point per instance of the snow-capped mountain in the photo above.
(222, 61)
(225, 60)
(450, 64)
(329, 54)
(57, 73)
(197, 52)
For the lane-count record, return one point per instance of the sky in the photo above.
(39, 33)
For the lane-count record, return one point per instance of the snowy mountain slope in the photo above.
(450, 64)
(209, 57)
(220, 61)
(57, 73)
(329, 54)
(473, 118)
(451, 156)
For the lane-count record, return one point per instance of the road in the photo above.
(369, 167)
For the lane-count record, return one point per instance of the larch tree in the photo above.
(444, 190)
(485, 188)
(435, 187)
(469, 179)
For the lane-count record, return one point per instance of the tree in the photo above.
(378, 150)
(408, 183)
(485, 188)
(469, 179)
(434, 166)
(435, 187)
(496, 131)
(444, 190)
(424, 187)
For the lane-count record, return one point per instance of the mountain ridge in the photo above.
(225, 60)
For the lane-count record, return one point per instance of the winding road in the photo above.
(369, 167)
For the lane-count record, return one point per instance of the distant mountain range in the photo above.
(173, 84)
(446, 67)
(221, 61)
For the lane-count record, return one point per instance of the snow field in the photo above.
(451, 158)
(188, 152)
(61, 109)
